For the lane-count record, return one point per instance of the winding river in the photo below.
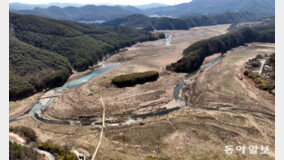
(39, 107)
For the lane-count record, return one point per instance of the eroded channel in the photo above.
(38, 108)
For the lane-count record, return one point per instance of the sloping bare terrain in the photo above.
(137, 100)
(209, 122)
(222, 109)
(222, 86)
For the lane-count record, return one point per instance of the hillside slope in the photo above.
(205, 7)
(84, 13)
(150, 23)
(32, 68)
(224, 18)
(43, 50)
(194, 55)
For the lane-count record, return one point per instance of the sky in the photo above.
(121, 2)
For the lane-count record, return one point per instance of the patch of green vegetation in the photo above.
(254, 62)
(135, 78)
(260, 82)
(195, 54)
(26, 132)
(19, 152)
(271, 62)
(63, 154)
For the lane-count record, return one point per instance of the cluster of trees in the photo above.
(152, 23)
(260, 82)
(132, 79)
(194, 55)
(254, 62)
(17, 151)
(43, 51)
(271, 61)
(26, 132)
(57, 151)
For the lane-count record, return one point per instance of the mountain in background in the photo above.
(139, 21)
(152, 5)
(205, 7)
(132, 9)
(23, 6)
(263, 8)
(143, 22)
(43, 51)
(224, 18)
(84, 13)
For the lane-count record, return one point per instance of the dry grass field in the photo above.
(140, 99)
(222, 109)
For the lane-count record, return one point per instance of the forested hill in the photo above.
(32, 69)
(83, 13)
(43, 51)
(266, 8)
(150, 23)
(194, 55)
(140, 21)
(224, 18)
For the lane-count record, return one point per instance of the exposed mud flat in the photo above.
(82, 102)
(222, 109)
(222, 83)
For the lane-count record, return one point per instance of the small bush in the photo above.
(255, 64)
(253, 76)
(26, 132)
(17, 151)
(132, 79)
(259, 56)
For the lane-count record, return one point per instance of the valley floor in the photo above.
(222, 109)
